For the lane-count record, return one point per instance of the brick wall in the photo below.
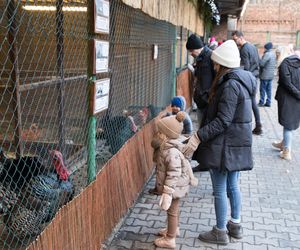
(271, 20)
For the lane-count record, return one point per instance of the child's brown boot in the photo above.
(165, 242)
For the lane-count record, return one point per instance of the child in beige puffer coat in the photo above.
(174, 174)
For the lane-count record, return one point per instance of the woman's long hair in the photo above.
(222, 71)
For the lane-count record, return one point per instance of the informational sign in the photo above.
(101, 50)
(155, 51)
(101, 16)
(101, 95)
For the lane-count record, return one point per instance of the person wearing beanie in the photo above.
(267, 71)
(178, 103)
(268, 46)
(224, 142)
(174, 174)
(250, 62)
(203, 77)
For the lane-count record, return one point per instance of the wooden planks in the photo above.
(89, 218)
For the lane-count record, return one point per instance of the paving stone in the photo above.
(119, 244)
(143, 246)
(198, 221)
(131, 229)
(281, 248)
(231, 246)
(273, 242)
(156, 218)
(191, 234)
(272, 235)
(252, 232)
(282, 229)
(274, 222)
(149, 230)
(138, 216)
(252, 219)
(186, 241)
(247, 246)
(147, 223)
(135, 236)
(289, 243)
(294, 237)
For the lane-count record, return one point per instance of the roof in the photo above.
(230, 7)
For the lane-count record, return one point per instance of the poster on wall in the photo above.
(101, 16)
(101, 95)
(101, 51)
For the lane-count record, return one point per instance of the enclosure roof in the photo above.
(230, 7)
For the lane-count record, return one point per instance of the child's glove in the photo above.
(191, 146)
(165, 201)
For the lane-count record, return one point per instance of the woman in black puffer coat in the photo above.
(225, 139)
(288, 98)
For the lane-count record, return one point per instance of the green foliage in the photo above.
(207, 11)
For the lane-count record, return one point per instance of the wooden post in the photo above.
(15, 75)
(60, 73)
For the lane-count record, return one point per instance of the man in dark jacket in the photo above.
(204, 73)
(267, 69)
(288, 98)
(250, 62)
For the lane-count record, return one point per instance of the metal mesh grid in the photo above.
(140, 85)
(44, 103)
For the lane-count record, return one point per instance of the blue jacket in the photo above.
(267, 65)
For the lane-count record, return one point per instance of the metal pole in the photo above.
(15, 76)
(173, 70)
(91, 137)
(60, 73)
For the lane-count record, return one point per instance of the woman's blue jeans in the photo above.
(265, 89)
(223, 183)
(287, 138)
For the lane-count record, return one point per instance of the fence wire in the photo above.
(44, 103)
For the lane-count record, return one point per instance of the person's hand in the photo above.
(165, 201)
(191, 67)
(191, 146)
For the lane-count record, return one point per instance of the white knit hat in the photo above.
(227, 54)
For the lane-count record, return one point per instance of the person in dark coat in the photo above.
(267, 69)
(204, 73)
(250, 62)
(224, 142)
(288, 98)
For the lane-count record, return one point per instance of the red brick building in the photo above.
(277, 21)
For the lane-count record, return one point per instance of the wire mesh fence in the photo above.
(44, 102)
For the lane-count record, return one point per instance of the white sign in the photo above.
(101, 95)
(101, 16)
(101, 55)
(155, 51)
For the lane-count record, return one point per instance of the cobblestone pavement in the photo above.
(270, 203)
